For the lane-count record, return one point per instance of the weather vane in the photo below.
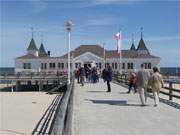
(42, 37)
(141, 31)
(132, 38)
(32, 30)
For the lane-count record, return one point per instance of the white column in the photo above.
(69, 47)
(68, 27)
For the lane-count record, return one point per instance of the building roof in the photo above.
(27, 56)
(133, 47)
(32, 45)
(42, 51)
(141, 45)
(124, 54)
(144, 56)
(99, 51)
(31, 56)
(95, 49)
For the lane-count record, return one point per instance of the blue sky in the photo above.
(95, 22)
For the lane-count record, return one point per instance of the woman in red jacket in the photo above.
(132, 81)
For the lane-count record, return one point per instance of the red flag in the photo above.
(118, 39)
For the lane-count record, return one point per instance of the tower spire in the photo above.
(133, 46)
(132, 38)
(141, 32)
(120, 29)
(32, 30)
(42, 38)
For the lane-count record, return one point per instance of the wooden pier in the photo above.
(40, 79)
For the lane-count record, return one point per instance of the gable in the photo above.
(87, 57)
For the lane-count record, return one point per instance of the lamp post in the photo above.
(68, 27)
(104, 55)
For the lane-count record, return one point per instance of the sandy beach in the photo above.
(20, 111)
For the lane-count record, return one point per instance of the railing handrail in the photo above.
(174, 90)
(125, 80)
(32, 76)
(59, 122)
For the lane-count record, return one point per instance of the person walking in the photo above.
(156, 83)
(94, 74)
(104, 74)
(89, 74)
(109, 77)
(98, 74)
(78, 75)
(82, 74)
(132, 81)
(142, 79)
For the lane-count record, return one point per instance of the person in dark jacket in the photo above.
(94, 75)
(109, 77)
(104, 74)
(82, 74)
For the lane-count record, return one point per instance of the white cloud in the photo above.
(104, 2)
(37, 5)
(163, 38)
(108, 20)
(92, 3)
(101, 22)
(155, 39)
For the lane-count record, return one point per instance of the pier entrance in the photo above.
(89, 64)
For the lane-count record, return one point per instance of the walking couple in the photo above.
(144, 81)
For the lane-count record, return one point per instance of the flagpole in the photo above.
(120, 56)
(118, 45)
(104, 55)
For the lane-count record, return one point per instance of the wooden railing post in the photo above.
(170, 91)
(118, 77)
(5, 76)
(121, 79)
(31, 75)
(125, 79)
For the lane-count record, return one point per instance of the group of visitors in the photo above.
(141, 81)
(87, 73)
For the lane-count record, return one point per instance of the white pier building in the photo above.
(38, 60)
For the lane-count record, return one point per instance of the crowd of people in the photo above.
(87, 74)
(140, 81)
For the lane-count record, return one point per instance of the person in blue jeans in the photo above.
(109, 77)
